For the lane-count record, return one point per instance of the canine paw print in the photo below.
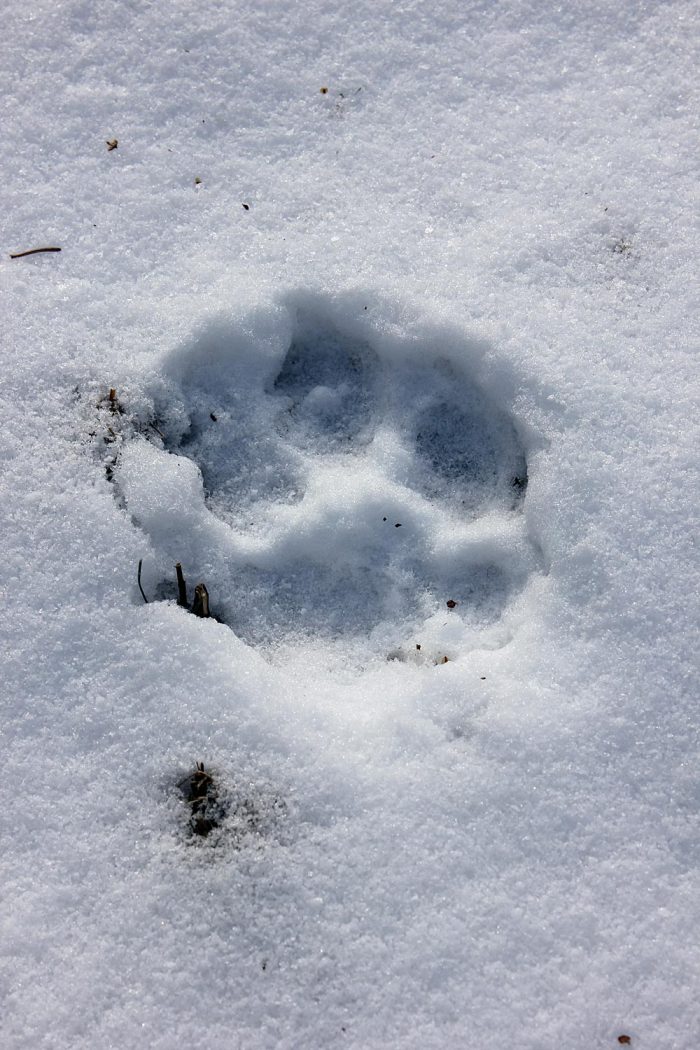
(333, 490)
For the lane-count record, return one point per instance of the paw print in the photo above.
(332, 489)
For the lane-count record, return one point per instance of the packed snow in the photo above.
(380, 322)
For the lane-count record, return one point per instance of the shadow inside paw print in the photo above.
(329, 382)
(471, 452)
(335, 487)
(316, 601)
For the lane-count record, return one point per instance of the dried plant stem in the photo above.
(32, 251)
(181, 588)
(138, 577)
(200, 605)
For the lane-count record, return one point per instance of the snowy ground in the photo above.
(399, 305)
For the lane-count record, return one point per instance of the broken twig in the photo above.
(200, 605)
(181, 587)
(32, 251)
(199, 789)
(138, 577)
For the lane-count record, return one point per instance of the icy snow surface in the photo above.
(398, 305)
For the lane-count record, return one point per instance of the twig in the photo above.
(32, 251)
(115, 405)
(197, 773)
(200, 605)
(181, 587)
(138, 577)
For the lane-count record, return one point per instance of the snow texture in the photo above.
(381, 321)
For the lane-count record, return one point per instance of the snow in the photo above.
(461, 297)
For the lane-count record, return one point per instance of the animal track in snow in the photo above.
(332, 487)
